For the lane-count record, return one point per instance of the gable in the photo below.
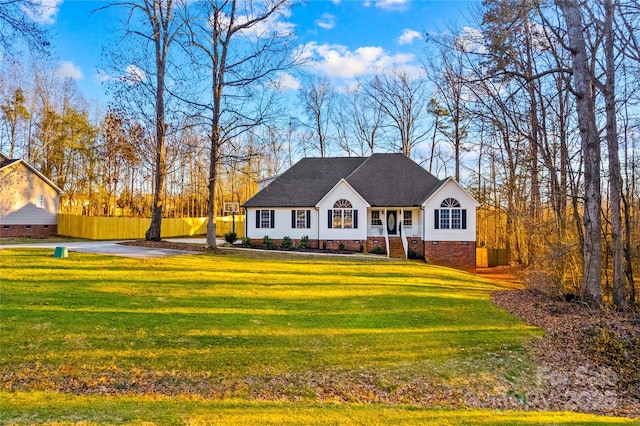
(342, 190)
(451, 189)
(6, 164)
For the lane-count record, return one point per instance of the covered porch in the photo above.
(396, 231)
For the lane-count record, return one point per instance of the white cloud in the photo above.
(391, 4)
(134, 75)
(471, 40)
(408, 36)
(326, 21)
(43, 11)
(338, 61)
(286, 81)
(67, 69)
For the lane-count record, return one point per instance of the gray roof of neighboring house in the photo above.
(391, 180)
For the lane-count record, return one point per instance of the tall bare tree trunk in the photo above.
(585, 106)
(615, 176)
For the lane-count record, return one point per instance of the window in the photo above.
(300, 219)
(450, 215)
(40, 202)
(343, 215)
(265, 219)
(407, 220)
(375, 218)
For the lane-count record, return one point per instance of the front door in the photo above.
(392, 222)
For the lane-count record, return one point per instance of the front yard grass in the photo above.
(112, 340)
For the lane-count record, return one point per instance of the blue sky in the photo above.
(347, 38)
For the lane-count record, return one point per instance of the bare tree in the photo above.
(18, 23)
(585, 106)
(239, 46)
(153, 26)
(402, 98)
(318, 98)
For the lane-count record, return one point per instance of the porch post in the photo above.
(386, 231)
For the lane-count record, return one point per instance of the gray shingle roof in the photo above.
(391, 180)
(305, 183)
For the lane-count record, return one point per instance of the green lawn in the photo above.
(255, 338)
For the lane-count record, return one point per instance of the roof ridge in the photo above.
(358, 168)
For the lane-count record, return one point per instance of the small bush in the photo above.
(304, 242)
(246, 241)
(267, 241)
(376, 250)
(341, 247)
(286, 243)
(230, 237)
(413, 255)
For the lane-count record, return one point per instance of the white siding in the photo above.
(343, 191)
(282, 222)
(450, 190)
(20, 189)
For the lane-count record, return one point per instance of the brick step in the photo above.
(396, 251)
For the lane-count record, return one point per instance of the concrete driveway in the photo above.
(114, 248)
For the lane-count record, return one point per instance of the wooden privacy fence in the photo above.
(117, 228)
(490, 258)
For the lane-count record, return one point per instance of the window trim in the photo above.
(267, 219)
(450, 215)
(298, 222)
(342, 214)
(407, 222)
(376, 221)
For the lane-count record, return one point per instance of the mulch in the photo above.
(589, 359)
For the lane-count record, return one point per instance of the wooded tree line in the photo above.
(534, 107)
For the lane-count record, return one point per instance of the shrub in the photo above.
(267, 241)
(230, 237)
(341, 247)
(286, 243)
(376, 250)
(304, 242)
(413, 255)
(246, 241)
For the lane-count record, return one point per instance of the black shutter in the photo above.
(330, 219)
(308, 218)
(355, 219)
(257, 219)
(464, 218)
(436, 223)
(293, 219)
(273, 218)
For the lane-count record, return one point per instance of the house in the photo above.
(29, 201)
(385, 203)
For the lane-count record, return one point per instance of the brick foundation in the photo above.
(456, 254)
(374, 242)
(35, 231)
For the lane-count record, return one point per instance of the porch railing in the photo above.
(375, 231)
(411, 231)
(403, 238)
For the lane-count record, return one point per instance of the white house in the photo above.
(385, 202)
(29, 202)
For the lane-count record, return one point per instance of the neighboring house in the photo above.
(29, 201)
(361, 203)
